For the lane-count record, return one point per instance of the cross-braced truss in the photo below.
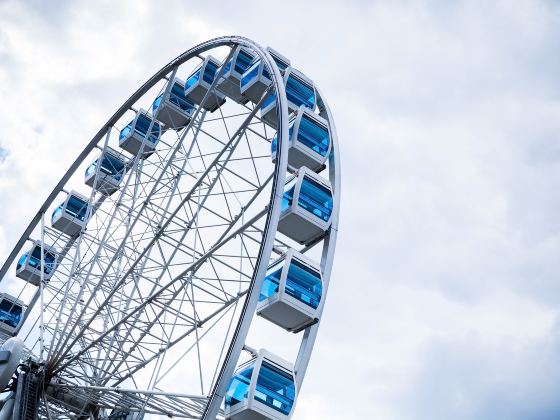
(148, 299)
(165, 260)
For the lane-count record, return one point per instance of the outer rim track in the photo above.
(272, 218)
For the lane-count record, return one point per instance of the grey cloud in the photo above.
(3, 154)
(472, 378)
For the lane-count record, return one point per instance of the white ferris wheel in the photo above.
(210, 199)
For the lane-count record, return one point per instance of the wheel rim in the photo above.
(103, 307)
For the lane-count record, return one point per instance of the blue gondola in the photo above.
(263, 388)
(133, 137)
(257, 78)
(11, 313)
(28, 266)
(307, 206)
(112, 170)
(70, 216)
(291, 292)
(282, 62)
(234, 69)
(199, 83)
(173, 109)
(310, 141)
(299, 92)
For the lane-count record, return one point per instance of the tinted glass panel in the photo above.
(266, 73)
(178, 89)
(121, 415)
(157, 102)
(49, 262)
(125, 131)
(191, 81)
(10, 313)
(242, 62)
(239, 387)
(36, 252)
(270, 99)
(274, 142)
(313, 135)
(210, 72)
(77, 207)
(56, 212)
(112, 165)
(177, 98)
(142, 124)
(141, 127)
(300, 92)
(275, 388)
(271, 281)
(304, 284)
(282, 65)
(250, 74)
(35, 260)
(316, 199)
(22, 260)
(91, 169)
(288, 196)
(227, 66)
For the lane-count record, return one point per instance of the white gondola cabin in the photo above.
(133, 138)
(263, 388)
(28, 266)
(11, 313)
(282, 62)
(299, 92)
(111, 172)
(70, 216)
(230, 83)
(307, 205)
(173, 109)
(310, 141)
(199, 83)
(291, 292)
(256, 79)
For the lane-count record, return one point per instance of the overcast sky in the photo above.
(445, 292)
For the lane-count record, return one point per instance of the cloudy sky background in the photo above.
(445, 292)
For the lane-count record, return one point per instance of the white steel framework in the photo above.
(165, 275)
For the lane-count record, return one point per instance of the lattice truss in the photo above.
(155, 291)
(160, 273)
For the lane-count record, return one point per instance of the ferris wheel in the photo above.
(208, 201)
